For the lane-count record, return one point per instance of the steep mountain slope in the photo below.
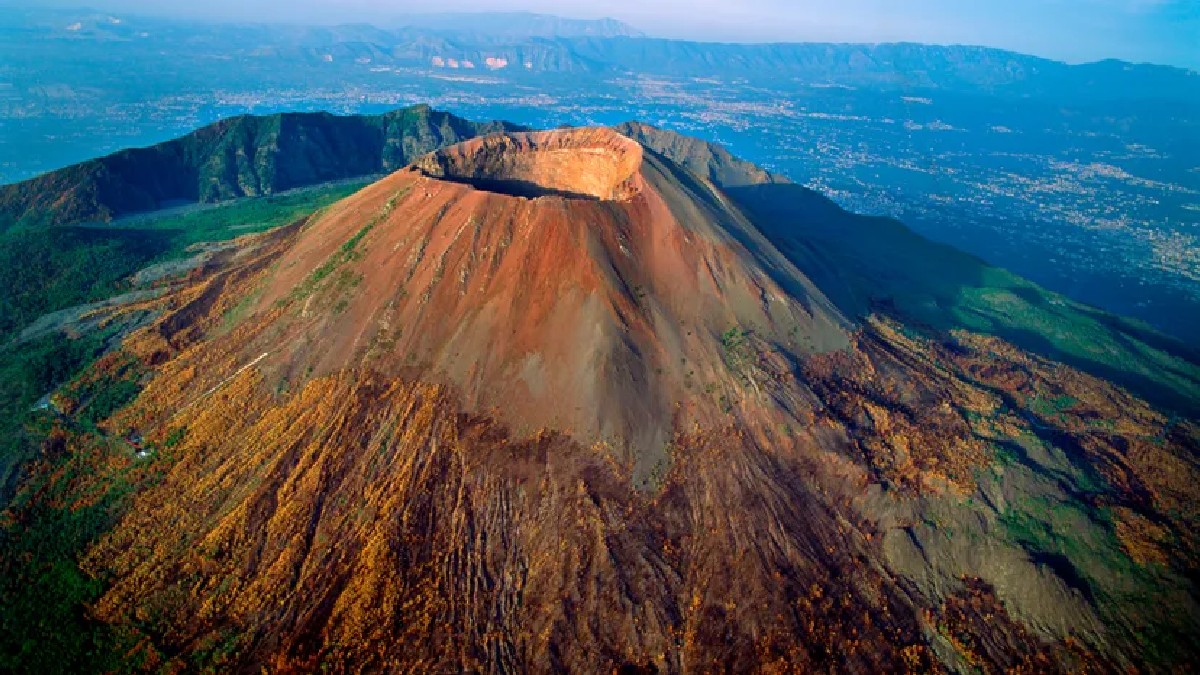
(877, 264)
(58, 282)
(868, 264)
(238, 157)
(461, 276)
(709, 161)
(551, 401)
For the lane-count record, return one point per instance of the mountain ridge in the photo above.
(236, 157)
(962, 69)
(536, 25)
(516, 24)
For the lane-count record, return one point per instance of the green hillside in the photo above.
(243, 156)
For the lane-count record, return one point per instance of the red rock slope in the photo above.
(617, 306)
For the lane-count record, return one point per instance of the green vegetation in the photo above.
(43, 628)
(344, 254)
(44, 269)
(58, 515)
(736, 349)
(871, 265)
(347, 252)
(239, 311)
(28, 373)
(244, 216)
(1067, 529)
(101, 397)
(42, 589)
(175, 437)
(733, 339)
(1054, 406)
(657, 476)
(242, 156)
(1080, 545)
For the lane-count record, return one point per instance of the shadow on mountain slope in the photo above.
(870, 264)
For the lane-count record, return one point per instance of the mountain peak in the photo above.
(555, 277)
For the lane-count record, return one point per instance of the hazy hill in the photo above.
(515, 25)
(958, 68)
(550, 44)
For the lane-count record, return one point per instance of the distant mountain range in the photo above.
(521, 25)
(250, 156)
(522, 43)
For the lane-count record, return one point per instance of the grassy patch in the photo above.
(45, 269)
(344, 254)
(244, 216)
(1080, 545)
(347, 252)
(235, 314)
(736, 349)
(1048, 407)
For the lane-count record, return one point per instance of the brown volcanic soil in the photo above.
(601, 316)
(611, 427)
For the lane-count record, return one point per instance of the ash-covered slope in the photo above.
(547, 402)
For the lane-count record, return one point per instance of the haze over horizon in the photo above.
(1156, 31)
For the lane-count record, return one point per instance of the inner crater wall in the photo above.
(593, 164)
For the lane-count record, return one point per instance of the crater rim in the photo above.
(585, 164)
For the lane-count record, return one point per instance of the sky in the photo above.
(1157, 31)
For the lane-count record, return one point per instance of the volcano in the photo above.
(555, 278)
(596, 400)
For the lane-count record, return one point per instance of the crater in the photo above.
(596, 164)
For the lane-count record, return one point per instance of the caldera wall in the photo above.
(592, 164)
